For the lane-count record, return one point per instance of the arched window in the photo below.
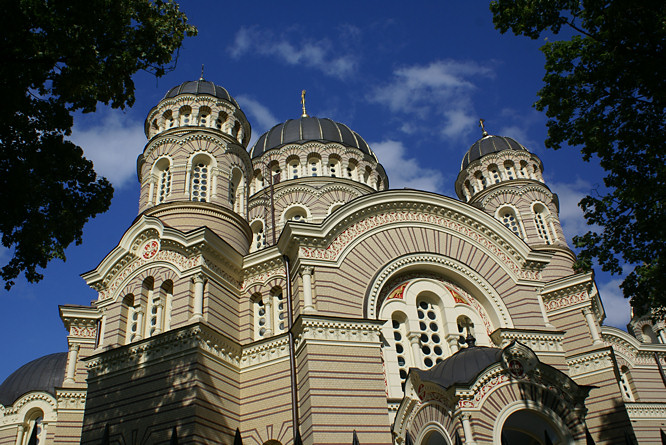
(626, 384)
(258, 181)
(352, 168)
(200, 179)
(494, 174)
(509, 218)
(296, 213)
(34, 431)
(280, 311)
(314, 165)
(275, 173)
(648, 334)
(366, 175)
(134, 319)
(542, 223)
(163, 173)
(166, 302)
(523, 170)
(333, 167)
(185, 114)
(167, 116)
(261, 320)
(430, 325)
(481, 181)
(152, 300)
(258, 235)
(294, 169)
(527, 426)
(401, 344)
(510, 170)
(221, 119)
(204, 116)
(236, 190)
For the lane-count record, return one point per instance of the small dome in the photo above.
(307, 129)
(201, 86)
(42, 374)
(462, 367)
(489, 144)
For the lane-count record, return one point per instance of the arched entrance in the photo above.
(530, 427)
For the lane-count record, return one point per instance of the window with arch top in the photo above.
(163, 173)
(296, 213)
(542, 222)
(509, 218)
(200, 179)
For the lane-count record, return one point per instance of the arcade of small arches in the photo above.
(199, 112)
(492, 170)
(147, 314)
(313, 165)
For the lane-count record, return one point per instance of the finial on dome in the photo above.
(483, 128)
(305, 114)
(202, 68)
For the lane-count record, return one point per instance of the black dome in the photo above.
(489, 144)
(308, 129)
(462, 367)
(42, 374)
(201, 86)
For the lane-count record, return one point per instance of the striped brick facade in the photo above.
(188, 335)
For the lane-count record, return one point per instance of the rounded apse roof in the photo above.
(201, 86)
(307, 129)
(42, 374)
(489, 144)
(462, 367)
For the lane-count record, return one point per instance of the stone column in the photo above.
(197, 315)
(268, 307)
(467, 429)
(589, 317)
(306, 274)
(662, 335)
(416, 348)
(102, 329)
(158, 315)
(19, 435)
(139, 324)
(452, 340)
(72, 357)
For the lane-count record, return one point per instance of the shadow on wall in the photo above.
(141, 403)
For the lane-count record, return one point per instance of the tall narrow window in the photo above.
(236, 189)
(185, 114)
(314, 164)
(402, 349)
(258, 235)
(333, 167)
(430, 327)
(351, 169)
(509, 219)
(510, 170)
(168, 119)
(294, 169)
(494, 174)
(200, 180)
(523, 169)
(260, 317)
(163, 172)
(625, 384)
(221, 119)
(541, 222)
(280, 305)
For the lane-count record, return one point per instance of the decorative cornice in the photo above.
(69, 399)
(314, 328)
(637, 410)
(630, 349)
(590, 362)
(537, 340)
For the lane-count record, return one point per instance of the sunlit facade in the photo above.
(417, 318)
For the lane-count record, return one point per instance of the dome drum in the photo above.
(202, 106)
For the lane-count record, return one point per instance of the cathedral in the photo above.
(283, 293)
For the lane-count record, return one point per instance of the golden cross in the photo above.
(303, 103)
(202, 67)
(481, 121)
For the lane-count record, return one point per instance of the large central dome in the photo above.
(308, 129)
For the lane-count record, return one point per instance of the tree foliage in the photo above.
(60, 56)
(605, 92)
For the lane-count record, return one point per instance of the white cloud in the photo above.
(403, 171)
(571, 216)
(618, 309)
(113, 144)
(442, 89)
(261, 117)
(318, 54)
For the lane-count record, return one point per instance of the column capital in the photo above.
(587, 310)
(414, 337)
(199, 278)
(306, 270)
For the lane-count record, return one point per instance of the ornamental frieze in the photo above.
(565, 301)
(343, 240)
(181, 262)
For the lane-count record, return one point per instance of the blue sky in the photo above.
(413, 80)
